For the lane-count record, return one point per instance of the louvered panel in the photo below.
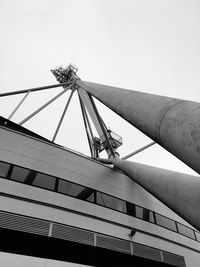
(146, 252)
(24, 224)
(73, 234)
(113, 244)
(173, 259)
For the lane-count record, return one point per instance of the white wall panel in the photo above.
(47, 158)
(14, 260)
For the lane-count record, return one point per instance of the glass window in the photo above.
(70, 189)
(86, 194)
(144, 214)
(197, 236)
(111, 202)
(4, 167)
(165, 222)
(130, 209)
(44, 181)
(151, 217)
(91, 198)
(19, 174)
(184, 230)
(139, 212)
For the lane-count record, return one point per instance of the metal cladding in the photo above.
(178, 191)
(172, 123)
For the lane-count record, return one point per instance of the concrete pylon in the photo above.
(180, 192)
(172, 123)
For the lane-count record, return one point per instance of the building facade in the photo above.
(59, 205)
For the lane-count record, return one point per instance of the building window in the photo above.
(151, 217)
(130, 207)
(111, 202)
(48, 182)
(184, 230)
(91, 198)
(197, 236)
(70, 189)
(147, 215)
(139, 212)
(31, 177)
(19, 174)
(144, 214)
(44, 181)
(165, 222)
(87, 194)
(4, 167)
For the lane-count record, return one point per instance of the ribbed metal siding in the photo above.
(73, 234)
(146, 252)
(173, 259)
(24, 224)
(113, 244)
(60, 231)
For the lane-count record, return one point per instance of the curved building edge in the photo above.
(111, 226)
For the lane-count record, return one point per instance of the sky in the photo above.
(148, 46)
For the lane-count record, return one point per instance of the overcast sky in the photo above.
(145, 45)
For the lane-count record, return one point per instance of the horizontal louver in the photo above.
(173, 259)
(42, 227)
(73, 234)
(24, 224)
(146, 252)
(113, 244)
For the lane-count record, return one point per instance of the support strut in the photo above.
(88, 131)
(63, 115)
(35, 89)
(45, 105)
(18, 106)
(138, 150)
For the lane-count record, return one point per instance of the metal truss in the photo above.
(67, 79)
